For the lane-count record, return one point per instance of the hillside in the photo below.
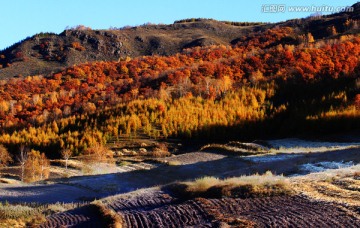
(274, 80)
(46, 53)
(207, 93)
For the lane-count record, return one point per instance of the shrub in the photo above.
(161, 150)
(202, 184)
(174, 163)
(77, 46)
(98, 153)
(37, 166)
(357, 101)
(108, 217)
(236, 187)
(5, 157)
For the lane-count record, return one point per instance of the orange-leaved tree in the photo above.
(5, 157)
(37, 166)
(357, 101)
(98, 153)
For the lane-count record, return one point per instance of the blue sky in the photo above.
(22, 18)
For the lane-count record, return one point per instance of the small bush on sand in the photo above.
(109, 218)
(236, 187)
(98, 154)
(161, 150)
(5, 157)
(202, 184)
(357, 175)
(173, 163)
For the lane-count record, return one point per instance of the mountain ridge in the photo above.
(47, 53)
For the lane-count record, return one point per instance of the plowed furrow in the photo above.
(52, 222)
(138, 219)
(185, 214)
(182, 216)
(140, 204)
(80, 217)
(281, 212)
(130, 220)
(296, 218)
(156, 219)
(64, 219)
(127, 220)
(278, 212)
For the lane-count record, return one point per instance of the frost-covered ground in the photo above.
(192, 158)
(283, 149)
(269, 158)
(343, 170)
(339, 185)
(310, 156)
(294, 145)
(322, 166)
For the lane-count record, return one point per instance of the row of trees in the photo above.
(186, 117)
(33, 164)
(152, 117)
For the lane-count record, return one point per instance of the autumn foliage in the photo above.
(98, 154)
(5, 157)
(357, 101)
(184, 95)
(37, 166)
(77, 46)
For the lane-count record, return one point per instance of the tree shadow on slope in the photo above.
(302, 100)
